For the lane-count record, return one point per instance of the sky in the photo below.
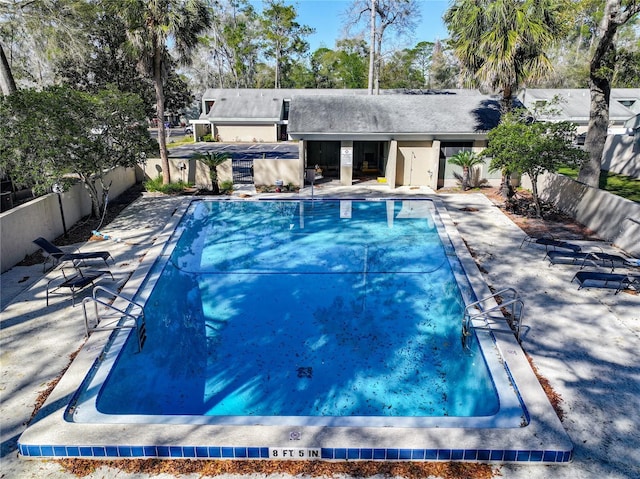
(327, 17)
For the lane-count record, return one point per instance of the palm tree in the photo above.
(502, 43)
(213, 159)
(466, 160)
(153, 24)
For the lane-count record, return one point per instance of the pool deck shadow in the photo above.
(584, 342)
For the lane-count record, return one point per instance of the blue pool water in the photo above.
(322, 309)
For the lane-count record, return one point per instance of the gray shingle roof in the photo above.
(245, 105)
(255, 105)
(575, 103)
(265, 105)
(393, 114)
(325, 111)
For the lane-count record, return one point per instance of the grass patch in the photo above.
(170, 189)
(570, 172)
(185, 140)
(621, 185)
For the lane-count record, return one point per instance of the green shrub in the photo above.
(172, 188)
(226, 186)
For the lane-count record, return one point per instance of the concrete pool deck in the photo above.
(584, 342)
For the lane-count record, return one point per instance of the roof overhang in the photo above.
(243, 121)
(332, 136)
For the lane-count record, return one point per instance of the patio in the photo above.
(585, 343)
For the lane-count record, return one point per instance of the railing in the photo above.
(113, 318)
(477, 317)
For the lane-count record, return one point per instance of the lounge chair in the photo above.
(549, 241)
(615, 260)
(597, 279)
(571, 257)
(75, 282)
(57, 256)
(583, 258)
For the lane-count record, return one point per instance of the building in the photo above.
(622, 148)
(574, 105)
(405, 138)
(400, 137)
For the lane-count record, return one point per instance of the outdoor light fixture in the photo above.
(58, 189)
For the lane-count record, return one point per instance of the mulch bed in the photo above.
(554, 222)
(82, 230)
(359, 469)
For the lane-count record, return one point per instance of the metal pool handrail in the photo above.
(517, 313)
(121, 317)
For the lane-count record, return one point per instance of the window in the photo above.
(448, 149)
(285, 109)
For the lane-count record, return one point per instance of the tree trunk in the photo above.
(601, 70)
(7, 83)
(597, 132)
(534, 193)
(105, 194)
(90, 186)
(278, 60)
(506, 190)
(506, 104)
(213, 174)
(162, 138)
(378, 62)
(372, 48)
(465, 178)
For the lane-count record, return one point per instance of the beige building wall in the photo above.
(200, 129)
(191, 171)
(478, 147)
(392, 164)
(225, 171)
(481, 171)
(416, 164)
(346, 162)
(267, 171)
(246, 133)
(302, 155)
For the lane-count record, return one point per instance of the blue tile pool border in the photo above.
(326, 453)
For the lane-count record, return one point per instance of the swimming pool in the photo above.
(303, 313)
(297, 316)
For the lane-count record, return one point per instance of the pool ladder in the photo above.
(493, 318)
(107, 317)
